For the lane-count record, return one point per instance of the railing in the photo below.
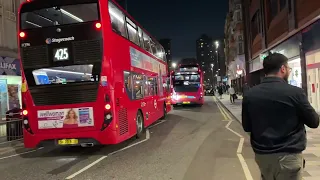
(11, 128)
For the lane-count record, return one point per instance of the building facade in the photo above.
(211, 58)
(166, 44)
(10, 80)
(234, 45)
(289, 27)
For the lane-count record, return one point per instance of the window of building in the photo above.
(273, 4)
(255, 25)
(132, 32)
(240, 48)
(13, 6)
(138, 86)
(239, 18)
(117, 20)
(283, 4)
(289, 6)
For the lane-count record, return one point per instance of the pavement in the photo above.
(191, 143)
(311, 154)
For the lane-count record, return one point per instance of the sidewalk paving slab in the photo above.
(311, 154)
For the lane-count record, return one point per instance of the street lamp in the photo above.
(173, 65)
(217, 44)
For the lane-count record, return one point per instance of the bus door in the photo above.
(151, 89)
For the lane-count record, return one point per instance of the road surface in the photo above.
(191, 143)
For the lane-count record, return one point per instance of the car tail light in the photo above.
(98, 25)
(22, 34)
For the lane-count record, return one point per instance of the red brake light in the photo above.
(108, 107)
(25, 112)
(28, 0)
(98, 25)
(22, 34)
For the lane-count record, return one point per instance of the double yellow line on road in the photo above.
(222, 109)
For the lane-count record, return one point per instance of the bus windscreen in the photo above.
(62, 75)
(59, 15)
(186, 82)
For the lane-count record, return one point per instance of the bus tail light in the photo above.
(98, 25)
(22, 34)
(107, 106)
(107, 113)
(25, 112)
(26, 120)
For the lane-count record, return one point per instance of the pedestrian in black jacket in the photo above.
(275, 113)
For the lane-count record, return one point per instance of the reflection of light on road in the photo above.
(103, 157)
(66, 159)
(6, 157)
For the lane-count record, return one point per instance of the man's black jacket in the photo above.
(275, 113)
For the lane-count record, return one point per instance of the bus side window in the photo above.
(155, 87)
(132, 31)
(146, 42)
(138, 86)
(140, 37)
(117, 19)
(128, 84)
(153, 47)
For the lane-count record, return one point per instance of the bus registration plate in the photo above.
(68, 141)
(186, 102)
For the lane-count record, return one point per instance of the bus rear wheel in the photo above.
(139, 123)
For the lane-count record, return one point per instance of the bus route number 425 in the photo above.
(61, 54)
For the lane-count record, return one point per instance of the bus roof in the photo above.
(123, 10)
(132, 19)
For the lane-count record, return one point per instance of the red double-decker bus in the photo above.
(187, 85)
(91, 75)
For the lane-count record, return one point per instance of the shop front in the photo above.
(311, 47)
(237, 72)
(10, 83)
(291, 49)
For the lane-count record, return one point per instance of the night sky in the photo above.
(181, 20)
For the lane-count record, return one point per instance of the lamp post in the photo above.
(212, 74)
(217, 51)
(174, 65)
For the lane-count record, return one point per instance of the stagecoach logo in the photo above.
(59, 40)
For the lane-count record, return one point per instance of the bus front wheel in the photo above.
(139, 123)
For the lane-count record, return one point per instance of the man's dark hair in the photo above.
(273, 63)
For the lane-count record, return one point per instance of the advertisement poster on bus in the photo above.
(65, 118)
(145, 62)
